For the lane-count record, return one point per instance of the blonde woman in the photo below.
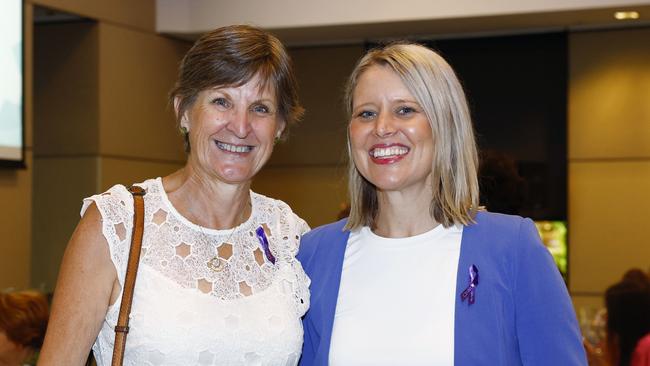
(417, 275)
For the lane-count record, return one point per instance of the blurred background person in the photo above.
(627, 323)
(502, 188)
(23, 321)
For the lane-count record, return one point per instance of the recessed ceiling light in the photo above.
(626, 15)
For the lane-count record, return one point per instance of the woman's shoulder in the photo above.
(330, 237)
(501, 234)
(116, 199)
(266, 202)
(328, 230)
(495, 225)
(276, 207)
(498, 221)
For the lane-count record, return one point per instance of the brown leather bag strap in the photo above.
(122, 327)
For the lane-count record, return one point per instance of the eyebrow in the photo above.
(266, 100)
(400, 100)
(222, 90)
(405, 101)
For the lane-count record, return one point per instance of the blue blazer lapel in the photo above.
(484, 331)
(325, 294)
(463, 314)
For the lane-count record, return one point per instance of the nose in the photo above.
(384, 125)
(239, 123)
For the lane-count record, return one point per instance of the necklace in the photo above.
(216, 263)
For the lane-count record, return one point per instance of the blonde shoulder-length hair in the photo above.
(433, 83)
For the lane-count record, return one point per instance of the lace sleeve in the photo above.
(116, 209)
(292, 229)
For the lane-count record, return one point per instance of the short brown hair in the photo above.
(436, 88)
(23, 317)
(231, 56)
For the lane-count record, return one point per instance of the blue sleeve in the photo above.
(310, 338)
(547, 330)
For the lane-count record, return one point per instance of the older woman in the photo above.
(417, 275)
(218, 283)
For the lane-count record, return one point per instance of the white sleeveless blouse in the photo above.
(204, 296)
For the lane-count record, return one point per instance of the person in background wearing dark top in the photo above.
(23, 321)
(628, 320)
(418, 275)
(503, 190)
(638, 276)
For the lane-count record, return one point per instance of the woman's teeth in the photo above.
(234, 148)
(388, 151)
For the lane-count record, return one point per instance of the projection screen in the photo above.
(11, 83)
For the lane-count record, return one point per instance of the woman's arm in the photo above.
(84, 290)
(547, 329)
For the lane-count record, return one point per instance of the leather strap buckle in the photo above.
(122, 329)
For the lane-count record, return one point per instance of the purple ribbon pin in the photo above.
(261, 235)
(470, 291)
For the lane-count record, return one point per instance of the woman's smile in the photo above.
(388, 153)
(234, 148)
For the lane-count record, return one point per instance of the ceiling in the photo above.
(572, 20)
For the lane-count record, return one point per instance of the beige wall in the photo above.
(65, 138)
(101, 117)
(609, 158)
(15, 225)
(139, 14)
(137, 70)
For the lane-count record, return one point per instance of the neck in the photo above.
(206, 201)
(403, 214)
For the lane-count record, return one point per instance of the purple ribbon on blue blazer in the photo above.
(470, 291)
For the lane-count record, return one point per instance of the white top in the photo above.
(396, 300)
(198, 299)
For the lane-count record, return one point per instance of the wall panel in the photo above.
(15, 225)
(136, 71)
(65, 89)
(139, 14)
(609, 158)
(60, 185)
(608, 222)
(609, 106)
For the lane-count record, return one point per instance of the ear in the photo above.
(183, 120)
(281, 125)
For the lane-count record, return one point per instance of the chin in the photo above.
(232, 176)
(387, 184)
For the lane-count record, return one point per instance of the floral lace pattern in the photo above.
(204, 296)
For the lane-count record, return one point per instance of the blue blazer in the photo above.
(522, 314)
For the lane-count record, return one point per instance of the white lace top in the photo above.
(204, 296)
